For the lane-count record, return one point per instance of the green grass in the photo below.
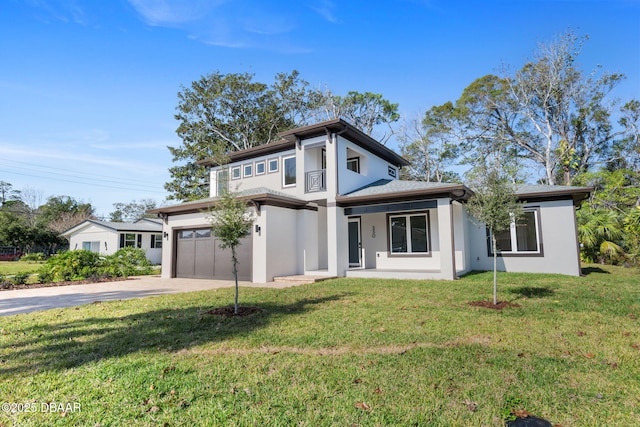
(8, 268)
(340, 352)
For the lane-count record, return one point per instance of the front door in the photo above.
(355, 243)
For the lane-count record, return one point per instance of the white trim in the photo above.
(264, 168)
(513, 233)
(284, 160)
(244, 170)
(233, 172)
(277, 162)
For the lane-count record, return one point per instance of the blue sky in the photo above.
(88, 88)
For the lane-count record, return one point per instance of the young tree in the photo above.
(495, 206)
(230, 222)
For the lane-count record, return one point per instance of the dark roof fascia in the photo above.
(351, 133)
(87, 222)
(250, 153)
(457, 192)
(261, 199)
(578, 195)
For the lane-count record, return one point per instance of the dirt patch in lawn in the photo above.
(11, 287)
(230, 312)
(489, 304)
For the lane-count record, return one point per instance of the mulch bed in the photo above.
(12, 287)
(489, 304)
(229, 311)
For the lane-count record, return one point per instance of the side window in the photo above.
(260, 168)
(521, 238)
(272, 165)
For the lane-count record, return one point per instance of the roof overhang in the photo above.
(456, 192)
(577, 194)
(256, 199)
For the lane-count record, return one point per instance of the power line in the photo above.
(90, 183)
(104, 178)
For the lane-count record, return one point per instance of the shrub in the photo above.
(20, 278)
(127, 262)
(72, 265)
(37, 257)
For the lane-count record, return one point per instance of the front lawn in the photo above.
(9, 268)
(340, 352)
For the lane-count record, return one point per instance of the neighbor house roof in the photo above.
(290, 137)
(259, 195)
(386, 190)
(145, 225)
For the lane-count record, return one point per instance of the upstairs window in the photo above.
(248, 170)
(260, 168)
(222, 180)
(289, 171)
(235, 172)
(353, 164)
(272, 165)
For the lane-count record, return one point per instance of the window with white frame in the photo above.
(91, 246)
(222, 180)
(520, 238)
(409, 234)
(130, 240)
(289, 171)
(353, 164)
(156, 241)
(260, 168)
(235, 172)
(247, 170)
(272, 165)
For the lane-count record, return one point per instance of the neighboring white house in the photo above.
(107, 237)
(327, 201)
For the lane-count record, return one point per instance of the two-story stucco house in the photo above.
(327, 200)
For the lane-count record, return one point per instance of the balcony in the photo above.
(315, 181)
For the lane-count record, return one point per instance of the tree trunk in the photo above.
(495, 268)
(235, 275)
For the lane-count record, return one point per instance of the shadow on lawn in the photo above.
(78, 342)
(532, 291)
(590, 270)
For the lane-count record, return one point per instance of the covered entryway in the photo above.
(199, 256)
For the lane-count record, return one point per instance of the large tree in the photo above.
(133, 210)
(550, 113)
(430, 146)
(222, 113)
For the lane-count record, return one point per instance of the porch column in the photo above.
(447, 246)
(337, 241)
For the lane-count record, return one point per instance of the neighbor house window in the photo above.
(289, 171)
(521, 238)
(248, 170)
(222, 181)
(260, 168)
(353, 164)
(130, 240)
(409, 234)
(156, 241)
(91, 246)
(235, 172)
(272, 165)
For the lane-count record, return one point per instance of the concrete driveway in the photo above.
(36, 299)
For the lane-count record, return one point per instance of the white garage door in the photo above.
(199, 256)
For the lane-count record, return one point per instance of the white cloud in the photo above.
(174, 12)
(325, 9)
